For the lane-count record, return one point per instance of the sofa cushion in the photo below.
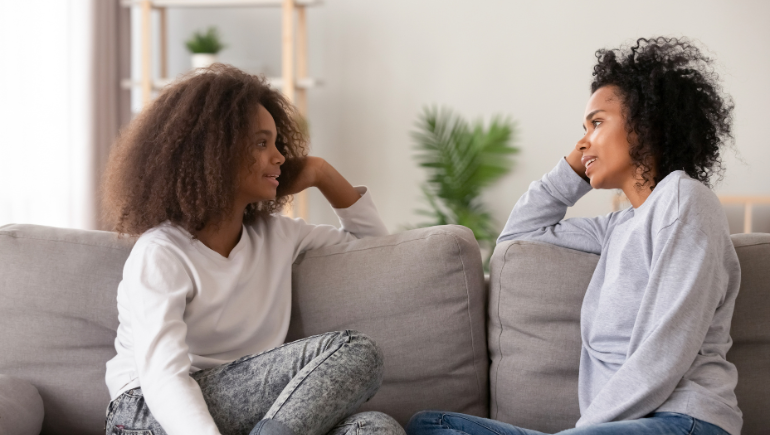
(420, 295)
(21, 408)
(59, 318)
(750, 331)
(536, 291)
(535, 294)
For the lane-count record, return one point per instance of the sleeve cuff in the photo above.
(567, 183)
(362, 218)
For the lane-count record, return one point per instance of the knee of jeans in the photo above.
(371, 354)
(422, 419)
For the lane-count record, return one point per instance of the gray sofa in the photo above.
(508, 349)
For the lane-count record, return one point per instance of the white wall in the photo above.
(382, 61)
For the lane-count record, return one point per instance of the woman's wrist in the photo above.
(334, 187)
(575, 160)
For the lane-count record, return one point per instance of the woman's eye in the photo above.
(596, 123)
(262, 144)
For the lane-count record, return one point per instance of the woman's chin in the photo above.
(596, 183)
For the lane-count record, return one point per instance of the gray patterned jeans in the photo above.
(309, 386)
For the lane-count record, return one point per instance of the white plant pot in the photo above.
(202, 60)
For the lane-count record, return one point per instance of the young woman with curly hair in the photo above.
(205, 299)
(655, 320)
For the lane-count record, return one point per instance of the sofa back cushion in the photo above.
(536, 291)
(59, 319)
(750, 331)
(535, 294)
(420, 295)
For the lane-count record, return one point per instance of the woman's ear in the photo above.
(289, 171)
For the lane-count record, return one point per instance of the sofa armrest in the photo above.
(21, 407)
(420, 296)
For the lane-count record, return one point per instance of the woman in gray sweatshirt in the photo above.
(655, 320)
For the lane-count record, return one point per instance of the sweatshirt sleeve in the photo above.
(539, 213)
(687, 285)
(357, 221)
(158, 287)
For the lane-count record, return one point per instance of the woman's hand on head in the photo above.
(575, 160)
(317, 172)
(310, 170)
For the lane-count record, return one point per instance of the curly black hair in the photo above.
(677, 116)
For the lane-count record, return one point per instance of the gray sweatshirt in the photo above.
(655, 321)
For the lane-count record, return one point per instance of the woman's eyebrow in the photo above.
(591, 115)
(265, 132)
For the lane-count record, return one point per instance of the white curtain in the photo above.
(50, 147)
(44, 113)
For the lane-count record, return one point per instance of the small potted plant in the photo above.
(204, 47)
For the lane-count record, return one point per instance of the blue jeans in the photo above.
(309, 386)
(659, 423)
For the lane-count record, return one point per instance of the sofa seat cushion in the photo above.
(21, 408)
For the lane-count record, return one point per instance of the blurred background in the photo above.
(71, 77)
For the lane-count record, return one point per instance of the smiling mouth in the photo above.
(273, 178)
(588, 163)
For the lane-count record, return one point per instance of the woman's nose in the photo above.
(279, 158)
(582, 144)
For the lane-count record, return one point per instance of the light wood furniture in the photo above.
(748, 203)
(619, 201)
(294, 81)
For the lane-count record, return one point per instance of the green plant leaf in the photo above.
(208, 42)
(461, 160)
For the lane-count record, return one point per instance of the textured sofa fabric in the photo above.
(21, 407)
(536, 291)
(59, 318)
(535, 294)
(420, 294)
(751, 332)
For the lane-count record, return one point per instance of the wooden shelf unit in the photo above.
(293, 42)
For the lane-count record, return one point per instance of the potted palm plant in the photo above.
(204, 47)
(462, 159)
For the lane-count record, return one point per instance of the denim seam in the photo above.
(251, 357)
(694, 427)
(309, 373)
(112, 410)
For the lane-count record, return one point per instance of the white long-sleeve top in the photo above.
(655, 320)
(183, 307)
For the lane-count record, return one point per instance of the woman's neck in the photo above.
(637, 196)
(637, 189)
(223, 236)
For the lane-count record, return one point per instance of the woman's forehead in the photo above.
(265, 121)
(605, 98)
